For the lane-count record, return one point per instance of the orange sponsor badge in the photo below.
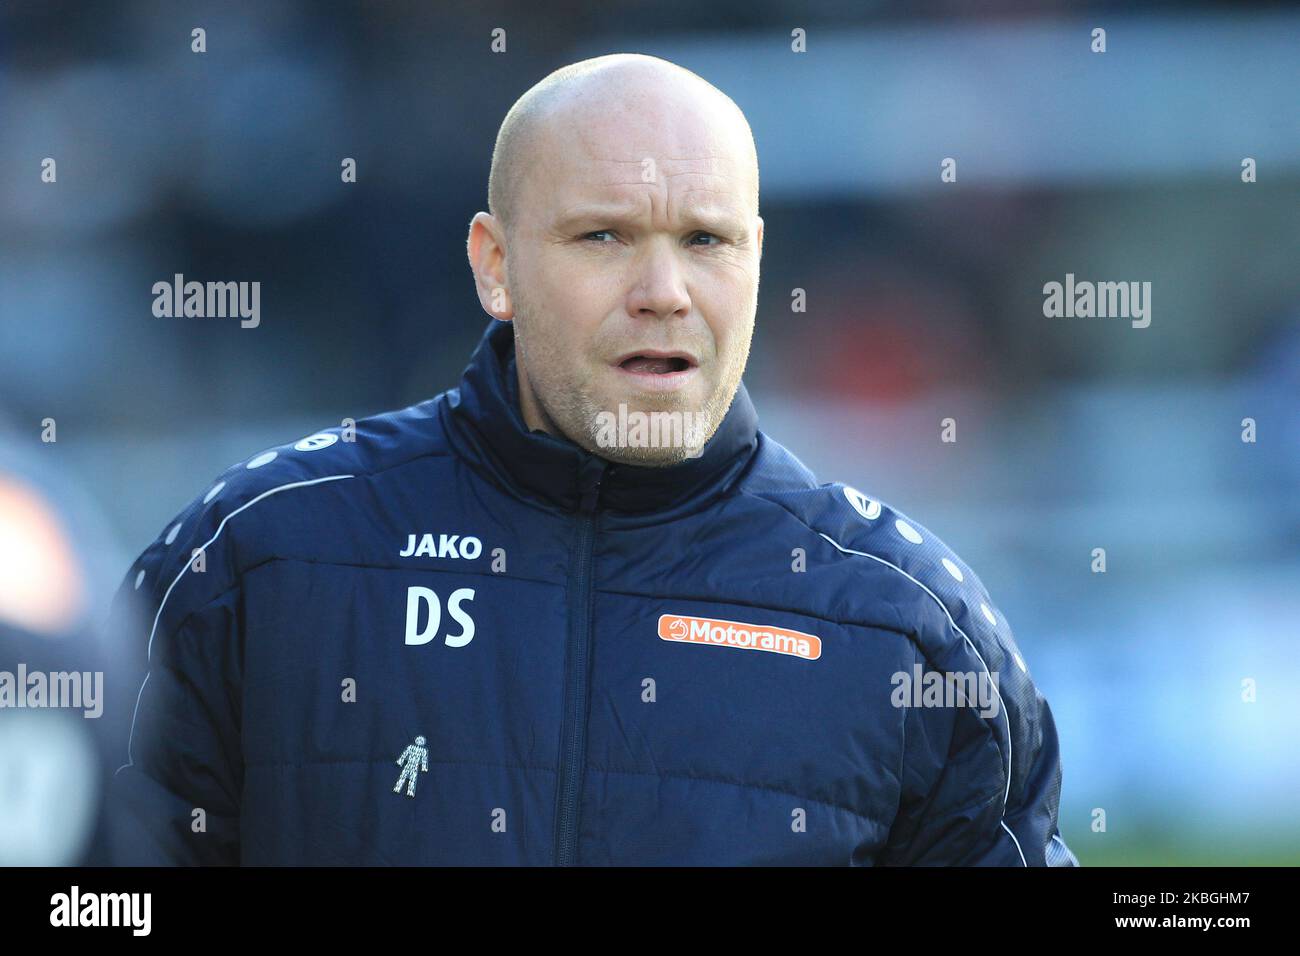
(684, 629)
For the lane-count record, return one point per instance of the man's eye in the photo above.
(709, 238)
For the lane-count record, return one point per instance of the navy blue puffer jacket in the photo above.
(440, 638)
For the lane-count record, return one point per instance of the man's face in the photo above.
(633, 273)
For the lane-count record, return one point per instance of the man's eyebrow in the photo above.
(720, 219)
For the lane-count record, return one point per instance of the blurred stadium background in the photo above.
(924, 301)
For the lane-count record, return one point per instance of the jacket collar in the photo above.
(486, 426)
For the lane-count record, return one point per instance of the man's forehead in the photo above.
(630, 153)
(624, 178)
(628, 193)
(608, 175)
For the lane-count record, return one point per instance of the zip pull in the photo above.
(593, 471)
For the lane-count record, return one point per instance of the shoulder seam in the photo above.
(1006, 792)
(956, 627)
(185, 567)
(216, 534)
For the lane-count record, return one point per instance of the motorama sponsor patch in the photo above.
(684, 629)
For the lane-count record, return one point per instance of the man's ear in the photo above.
(760, 236)
(486, 248)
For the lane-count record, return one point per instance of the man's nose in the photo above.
(659, 289)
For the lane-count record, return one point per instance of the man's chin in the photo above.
(649, 457)
(652, 431)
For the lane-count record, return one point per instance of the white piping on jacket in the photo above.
(971, 644)
(130, 762)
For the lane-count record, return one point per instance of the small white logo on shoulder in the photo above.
(316, 442)
(863, 505)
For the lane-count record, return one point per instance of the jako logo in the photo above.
(415, 596)
(470, 547)
(754, 637)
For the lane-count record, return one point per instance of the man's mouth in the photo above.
(653, 362)
(658, 371)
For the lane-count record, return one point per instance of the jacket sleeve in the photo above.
(175, 799)
(980, 790)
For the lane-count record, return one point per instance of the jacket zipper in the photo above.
(574, 734)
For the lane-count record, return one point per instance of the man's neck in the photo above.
(534, 415)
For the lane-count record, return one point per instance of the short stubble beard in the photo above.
(569, 410)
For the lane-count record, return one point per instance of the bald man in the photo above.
(578, 609)
(624, 244)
